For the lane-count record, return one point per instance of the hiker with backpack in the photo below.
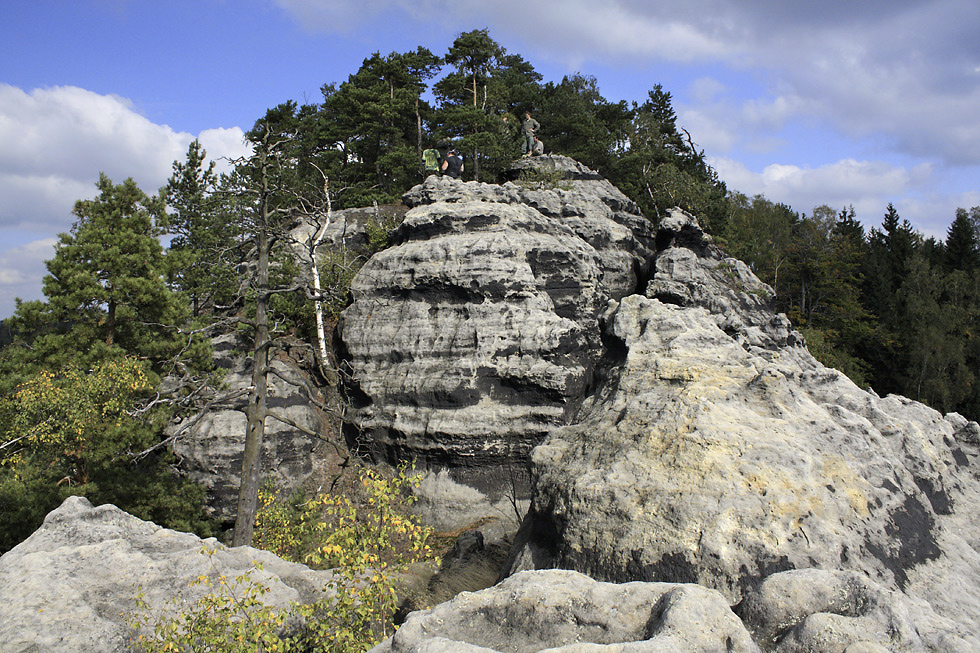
(431, 160)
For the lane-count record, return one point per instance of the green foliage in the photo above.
(108, 275)
(230, 618)
(369, 129)
(367, 539)
(890, 309)
(487, 85)
(826, 347)
(660, 169)
(540, 177)
(72, 433)
(578, 122)
(206, 243)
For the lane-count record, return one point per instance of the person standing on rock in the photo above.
(452, 165)
(528, 127)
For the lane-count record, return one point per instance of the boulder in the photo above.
(821, 610)
(720, 452)
(569, 612)
(477, 333)
(72, 585)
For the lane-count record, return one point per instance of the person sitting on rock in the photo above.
(538, 148)
(452, 165)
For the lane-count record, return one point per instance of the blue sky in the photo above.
(838, 103)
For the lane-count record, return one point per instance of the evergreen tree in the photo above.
(78, 386)
(577, 121)
(487, 86)
(661, 169)
(110, 268)
(205, 241)
(760, 233)
(962, 251)
(375, 121)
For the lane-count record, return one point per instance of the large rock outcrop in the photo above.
(72, 585)
(721, 453)
(806, 611)
(477, 333)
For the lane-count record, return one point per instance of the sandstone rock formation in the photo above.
(726, 491)
(71, 586)
(567, 611)
(721, 453)
(811, 610)
(477, 333)
(210, 450)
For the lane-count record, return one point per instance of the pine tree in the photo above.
(205, 241)
(962, 250)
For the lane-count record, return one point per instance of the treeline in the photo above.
(893, 309)
(368, 134)
(120, 347)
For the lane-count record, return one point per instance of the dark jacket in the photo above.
(452, 166)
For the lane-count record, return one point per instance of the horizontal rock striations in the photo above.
(721, 453)
(478, 332)
(211, 444)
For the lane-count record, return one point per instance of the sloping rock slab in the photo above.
(70, 586)
(722, 453)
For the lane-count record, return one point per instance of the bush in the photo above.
(73, 433)
(366, 538)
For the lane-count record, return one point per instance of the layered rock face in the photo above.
(722, 452)
(71, 586)
(211, 446)
(477, 333)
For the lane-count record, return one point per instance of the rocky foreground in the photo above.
(698, 481)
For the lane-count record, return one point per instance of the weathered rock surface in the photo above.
(210, 450)
(721, 453)
(477, 333)
(567, 611)
(71, 586)
(819, 610)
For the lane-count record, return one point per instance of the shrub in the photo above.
(367, 539)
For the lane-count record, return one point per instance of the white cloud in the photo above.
(224, 145)
(21, 271)
(867, 185)
(54, 142)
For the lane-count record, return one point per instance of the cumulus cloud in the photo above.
(867, 185)
(21, 271)
(54, 142)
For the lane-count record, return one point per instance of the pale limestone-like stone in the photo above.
(477, 332)
(71, 586)
(721, 452)
(566, 612)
